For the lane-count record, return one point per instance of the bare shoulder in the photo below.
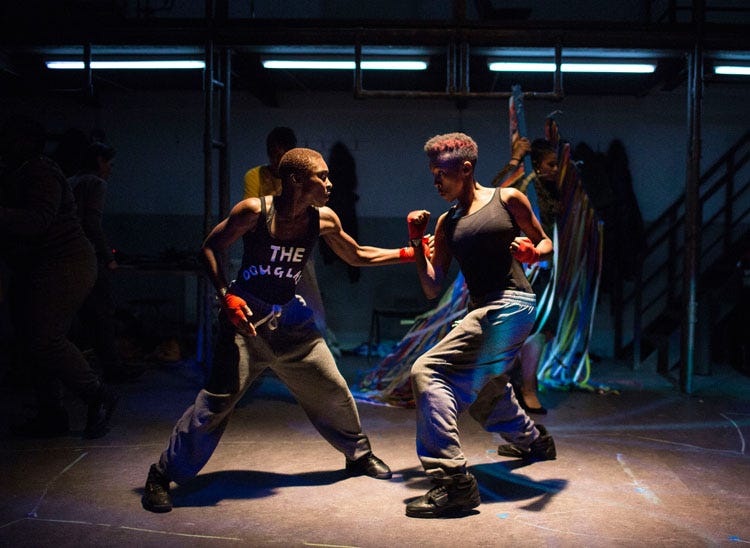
(248, 206)
(328, 220)
(508, 194)
(514, 199)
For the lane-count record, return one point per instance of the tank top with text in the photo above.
(271, 267)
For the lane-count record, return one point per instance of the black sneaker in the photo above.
(453, 494)
(542, 448)
(99, 413)
(156, 497)
(369, 465)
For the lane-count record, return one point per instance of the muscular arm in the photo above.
(241, 219)
(347, 247)
(432, 272)
(520, 207)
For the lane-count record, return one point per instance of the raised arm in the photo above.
(350, 251)
(431, 272)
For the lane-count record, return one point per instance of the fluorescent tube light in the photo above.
(175, 64)
(732, 69)
(630, 68)
(320, 64)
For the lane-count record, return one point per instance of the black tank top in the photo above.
(480, 242)
(271, 267)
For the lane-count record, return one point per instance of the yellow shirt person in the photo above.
(259, 181)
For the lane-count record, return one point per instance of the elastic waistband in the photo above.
(259, 306)
(521, 297)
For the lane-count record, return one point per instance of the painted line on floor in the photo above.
(642, 489)
(689, 446)
(742, 438)
(125, 527)
(328, 545)
(11, 523)
(47, 487)
(171, 533)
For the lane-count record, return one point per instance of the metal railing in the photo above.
(653, 299)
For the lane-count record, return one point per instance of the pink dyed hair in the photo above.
(452, 148)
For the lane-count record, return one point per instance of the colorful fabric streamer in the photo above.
(573, 286)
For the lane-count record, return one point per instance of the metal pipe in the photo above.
(225, 106)
(692, 206)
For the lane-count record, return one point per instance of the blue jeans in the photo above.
(464, 371)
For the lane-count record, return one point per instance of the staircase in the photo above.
(649, 312)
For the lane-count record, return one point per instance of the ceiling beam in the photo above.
(255, 32)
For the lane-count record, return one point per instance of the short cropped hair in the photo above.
(452, 148)
(95, 151)
(297, 161)
(283, 137)
(539, 149)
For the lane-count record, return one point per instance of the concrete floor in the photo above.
(648, 466)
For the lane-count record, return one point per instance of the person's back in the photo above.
(45, 225)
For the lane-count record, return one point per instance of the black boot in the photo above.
(156, 497)
(542, 448)
(453, 493)
(99, 412)
(369, 465)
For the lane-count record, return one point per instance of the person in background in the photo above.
(53, 269)
(264, 180)
(263, 324)
(97, 315)
(524, 373)
(466, 369)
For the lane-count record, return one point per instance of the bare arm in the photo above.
(432, 272)
(348, 249)
(520, 207)
(241, 219)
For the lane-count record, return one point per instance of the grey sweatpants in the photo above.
(298, 355)
(464, 371)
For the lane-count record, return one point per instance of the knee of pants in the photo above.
(210, 407)
(419, 375)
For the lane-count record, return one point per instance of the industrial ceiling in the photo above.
(457, 38)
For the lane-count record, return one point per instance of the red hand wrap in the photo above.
(526, 252)
(416, 228)
(407, 254)
(234, 307)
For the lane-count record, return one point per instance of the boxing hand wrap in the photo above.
(526, 252)
(417, 224)
(235, 307)
(407, 254)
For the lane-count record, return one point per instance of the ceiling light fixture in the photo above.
(114, 65)
(732, 69)
(625, 68)
(323, 64)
